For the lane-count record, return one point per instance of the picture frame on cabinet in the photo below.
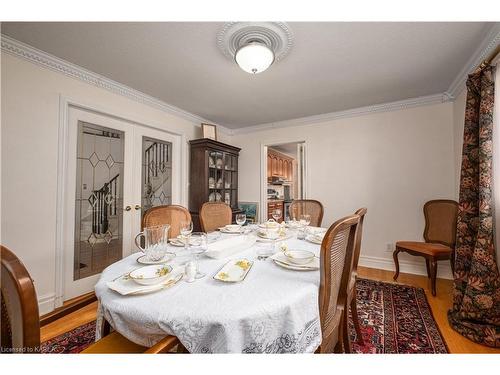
(209, 131)
(251, 210)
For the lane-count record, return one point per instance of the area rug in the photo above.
(395, 318)
(73, 341)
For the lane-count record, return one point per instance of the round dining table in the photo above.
(273, 310)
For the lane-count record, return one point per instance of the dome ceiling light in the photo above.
(255, 46)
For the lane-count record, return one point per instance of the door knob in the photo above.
(128, 208)
(137, 207)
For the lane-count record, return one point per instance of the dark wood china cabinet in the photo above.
(213, 176)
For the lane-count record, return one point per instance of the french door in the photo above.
(116, 170)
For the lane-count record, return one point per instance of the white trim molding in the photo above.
(405, 266)
(485, 48)
(46, 60)
(46, 303)
(316, 119)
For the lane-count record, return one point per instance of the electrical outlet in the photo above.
(388, 247)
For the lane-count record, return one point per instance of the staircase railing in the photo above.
(105, 204)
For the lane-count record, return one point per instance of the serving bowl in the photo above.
(151, 275)
(299, 256)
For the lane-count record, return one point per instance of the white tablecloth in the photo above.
(274, 310)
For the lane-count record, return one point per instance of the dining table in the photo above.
(273, 310)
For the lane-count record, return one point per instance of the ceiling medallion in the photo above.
(254, 46)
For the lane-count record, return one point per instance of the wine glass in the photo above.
(276, 214)
(186, 229)
(198, 242)
(241, 219)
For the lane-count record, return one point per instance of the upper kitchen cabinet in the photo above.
(279, 165)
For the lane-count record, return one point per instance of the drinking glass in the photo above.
(305, 220)
(186, 229)
(198, 245)
(241, 219)
(276, 214)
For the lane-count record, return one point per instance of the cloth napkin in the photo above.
(227, 247)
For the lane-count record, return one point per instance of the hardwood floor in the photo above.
(439, 305)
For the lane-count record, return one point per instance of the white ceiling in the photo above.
(331, 66)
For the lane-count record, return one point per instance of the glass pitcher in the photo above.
(155, 240)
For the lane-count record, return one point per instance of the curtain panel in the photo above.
(476, 296)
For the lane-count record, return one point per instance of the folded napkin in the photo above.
(227, 247)
(126, 286)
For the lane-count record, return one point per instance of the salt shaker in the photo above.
(190, 271)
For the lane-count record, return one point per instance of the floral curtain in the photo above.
(476, 297)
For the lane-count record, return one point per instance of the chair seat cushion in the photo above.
(114, 343)
(424, 247)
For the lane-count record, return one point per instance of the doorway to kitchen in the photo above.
(283, 176)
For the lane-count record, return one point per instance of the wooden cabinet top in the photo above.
(210, 143)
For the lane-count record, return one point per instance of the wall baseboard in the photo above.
(414, 268)
(46, 303)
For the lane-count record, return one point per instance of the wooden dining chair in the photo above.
(336, 256)
(351, 290)
(172, 214)
(439, 235)
(214, 215)
(307, 206)
(20, 324)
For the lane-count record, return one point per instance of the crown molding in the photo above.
(485, 48)
(377, 108)
(46, 60)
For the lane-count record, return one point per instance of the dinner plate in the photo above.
(167, 258)
(281, 260)
(313, 239)
(262, 237)
(224, 230)
(167, 284)
(234, 271)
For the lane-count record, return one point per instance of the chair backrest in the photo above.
(307, 206)
(336, 256)
(214, 215)
(20, 323)
(441, 221)
(357, 247)
(172, 214)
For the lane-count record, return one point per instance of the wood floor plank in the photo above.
(440, 304)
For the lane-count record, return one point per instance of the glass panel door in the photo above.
(96, 224)
(157, 172)
(99, 199)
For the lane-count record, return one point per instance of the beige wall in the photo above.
(30, 120)
(389, 162)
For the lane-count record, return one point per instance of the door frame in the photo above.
(65, 103)
(263, 171)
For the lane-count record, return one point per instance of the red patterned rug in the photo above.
(395, 318)
(71, 342)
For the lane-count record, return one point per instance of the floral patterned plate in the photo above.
(234, 271)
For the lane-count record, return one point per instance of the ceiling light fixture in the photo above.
(254, 57)
(255, 46)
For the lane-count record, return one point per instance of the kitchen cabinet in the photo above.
(279, 165)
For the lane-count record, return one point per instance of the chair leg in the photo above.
(452, 262)
(428, 266)
(345, 329)
(355, 320)
(433, 276)
(396, 262)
